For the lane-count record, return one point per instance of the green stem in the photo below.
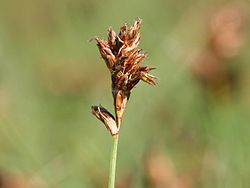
(113, 162)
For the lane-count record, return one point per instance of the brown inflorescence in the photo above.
(123, 61)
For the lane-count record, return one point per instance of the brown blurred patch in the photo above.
(226, 30)
(20, 181)
(160, 172)
(224, 39)
(213, 73)
(100, 180)
(124, 181)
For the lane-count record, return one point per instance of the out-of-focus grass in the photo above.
(50, 75)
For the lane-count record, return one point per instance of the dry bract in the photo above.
(107, 118)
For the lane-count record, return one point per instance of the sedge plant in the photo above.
(122, 58)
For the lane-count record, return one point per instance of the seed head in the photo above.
(123, 61)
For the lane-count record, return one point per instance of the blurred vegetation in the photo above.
(189, 131)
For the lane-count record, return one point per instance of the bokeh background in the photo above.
(192, 130)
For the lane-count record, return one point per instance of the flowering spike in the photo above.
(123, 60)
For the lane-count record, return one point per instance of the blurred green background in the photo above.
(191, 130)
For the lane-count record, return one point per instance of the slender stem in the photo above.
(113, 162)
